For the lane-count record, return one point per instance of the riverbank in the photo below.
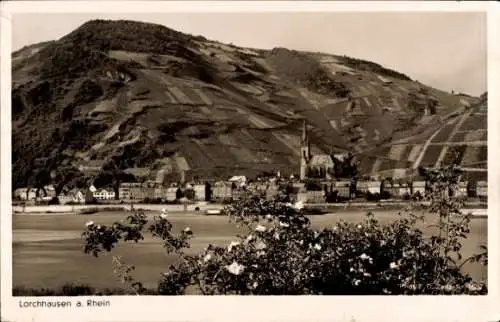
(476, 208)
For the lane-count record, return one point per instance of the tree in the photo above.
(346, 168)
(208, 192)
(179, 193)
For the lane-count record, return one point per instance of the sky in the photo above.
(443, 50)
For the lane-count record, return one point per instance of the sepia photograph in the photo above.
(246, 153)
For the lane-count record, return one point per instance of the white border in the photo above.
(285, 308)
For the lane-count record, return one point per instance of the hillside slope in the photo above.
(460, 138)
(151, 101)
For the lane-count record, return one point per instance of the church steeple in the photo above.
(304, 152)
(305, 139)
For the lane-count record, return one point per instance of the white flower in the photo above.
(359, 226)
(352, 269)
(249, 238)
(283, 224)
(260, 228)
(235, 268)
(269, 217)
(448, 287)
(260, 245)
(382, 243)
(288, 204)
(473, 286)
(89, 223)
(98, 226)
(163, 216)
(367, 274)
(255, 284)
(187, 229)
(364, 256)
(207, 257)
(276, 236)
(393, 265)
(357, 282)
(298, 205)
(233, 244)
(317, 246)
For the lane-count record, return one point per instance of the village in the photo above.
(314, 185)
(318, 191)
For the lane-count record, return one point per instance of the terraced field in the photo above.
(152, 93)
(462, 139)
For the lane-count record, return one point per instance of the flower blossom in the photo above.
(187, 230)
(359, 226)
(163, 216)
(317, 246)
(235, 268)
(269, 217)
(260, 245)
(233, 244)
(255, 284)
(393, 265)
(357, 282)
(366, 257)
(298, 205)
(89, 223)
(207, 257)
(284, 224)
(249, 238)
(260, 228)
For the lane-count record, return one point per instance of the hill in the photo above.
(144, 100)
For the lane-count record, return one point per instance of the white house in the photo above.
(199, 192)
(74, 196)
(104, 194)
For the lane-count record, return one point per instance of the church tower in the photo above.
(304, 152)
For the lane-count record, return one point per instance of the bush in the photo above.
(281, 254)
(385, 195)
(372, 196)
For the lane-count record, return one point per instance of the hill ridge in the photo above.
(126, 95)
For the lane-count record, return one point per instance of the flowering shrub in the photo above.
(281, 254)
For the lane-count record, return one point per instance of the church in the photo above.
(320, 164)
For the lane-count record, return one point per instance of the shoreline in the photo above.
(477, 209)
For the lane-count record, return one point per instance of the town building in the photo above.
(103, 194)
(199, 192)
(419, 187)
(171, 194)
(482, 189)
(222, 191)
(344, 188)
(320, 164)
(372, 187)
(25, 194)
